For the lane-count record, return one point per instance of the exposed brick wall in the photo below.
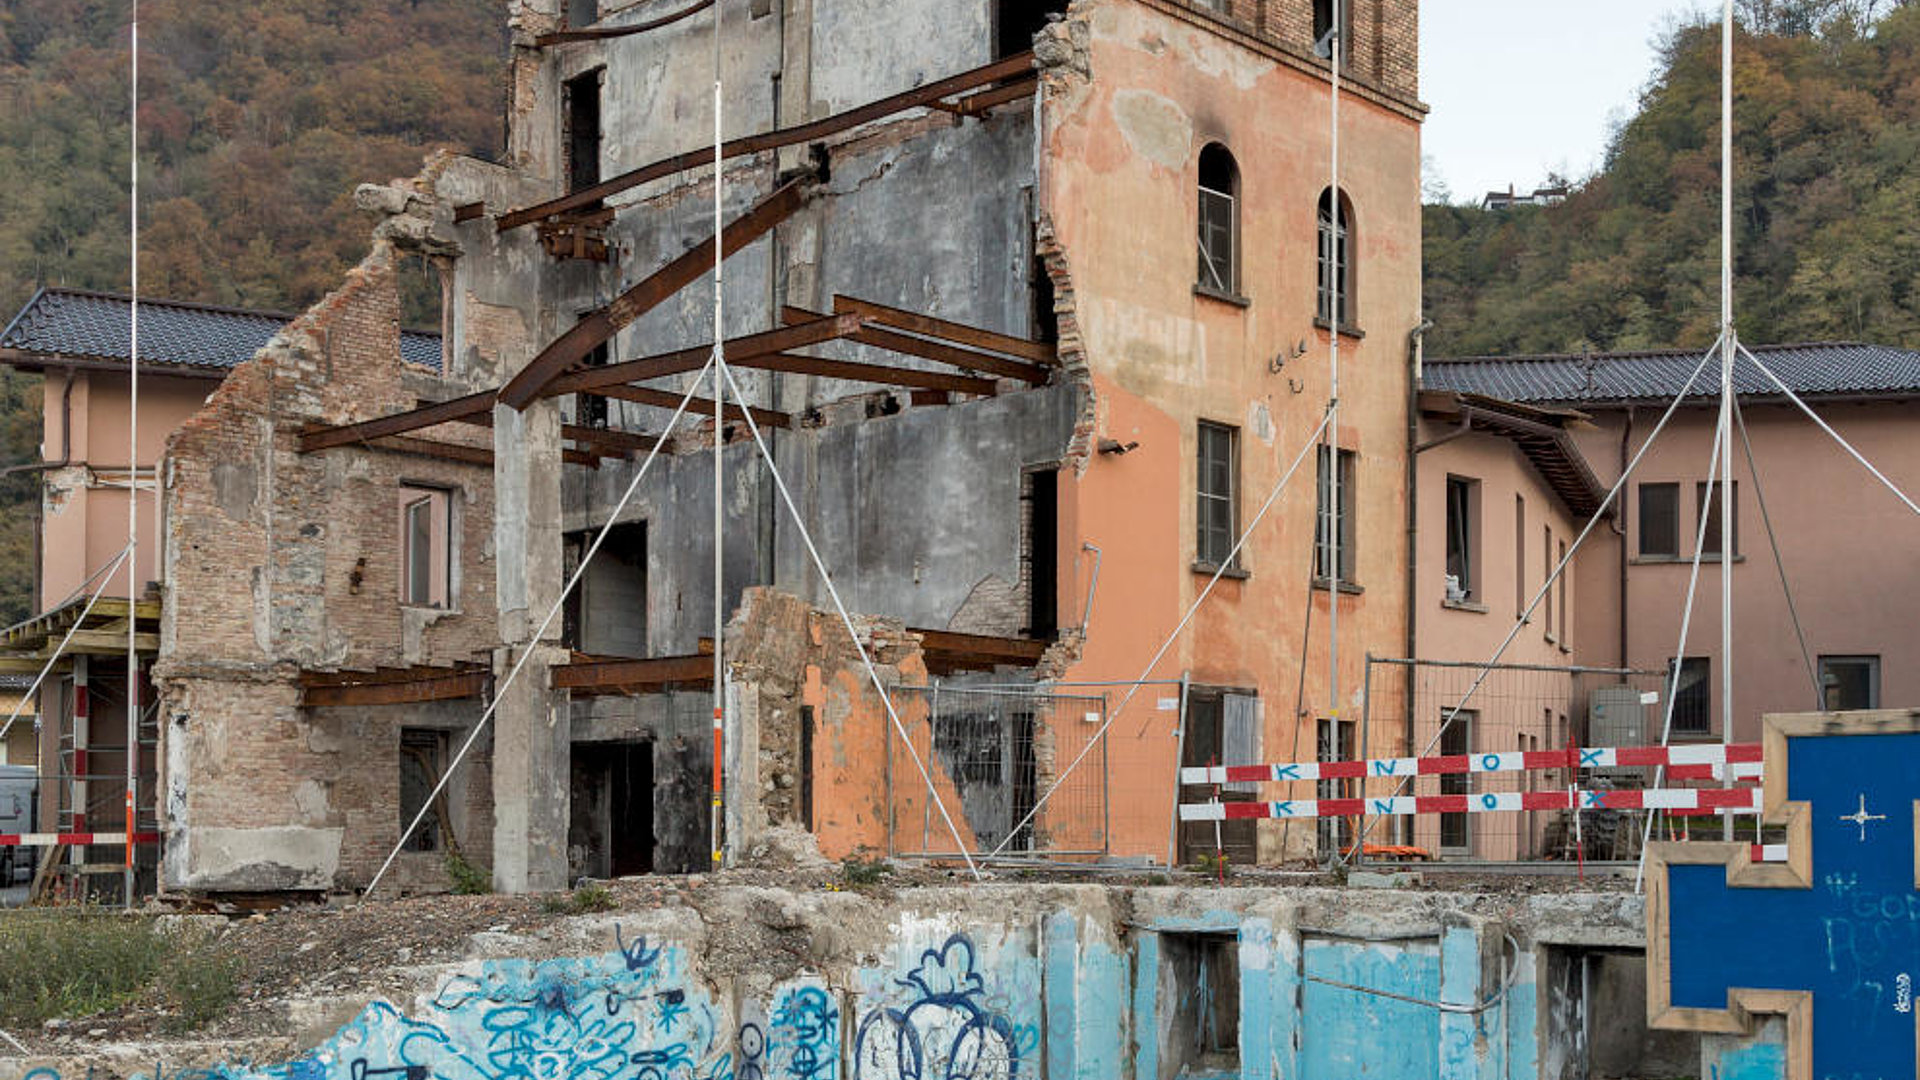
(279, 561)
(1385, 35)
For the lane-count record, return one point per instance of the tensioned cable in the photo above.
(719, 363)
(1300, 691)
(1760, 496)
(1526, 615)
(133, 450)
(533, 643)
(846, 620)
(1815, 417)
(1680, 650)
(105, 574)
(1312, 441)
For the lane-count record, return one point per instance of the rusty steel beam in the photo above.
(664, 399)
(617, 675)
(937, 351)
(561, 37)
(470, 455)
(981, 646)
(919, 97)
(425, 416)
(621, 442)
(469, 211)
(977, 103)
(596, 327)
(794, 364)
(415, 687)
(959, 333)
(593, 379)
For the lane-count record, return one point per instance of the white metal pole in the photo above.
(1330, 267)
(133, 461)
(719, 472)
(1727, 341)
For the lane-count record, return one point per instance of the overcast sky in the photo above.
(1518, 89)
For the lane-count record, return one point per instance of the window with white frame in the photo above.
(1219, 221)
(426, 527)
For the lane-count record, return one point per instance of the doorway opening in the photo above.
(606, 614)
(611, 831)
(1016, 21)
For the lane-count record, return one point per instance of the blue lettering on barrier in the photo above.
(1489, 800)
(1385, 767)
(1286, 772)
(1490, 762)
(1383, 806)
(1589, 757)
(1283, 809)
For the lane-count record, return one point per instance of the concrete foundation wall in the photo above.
(991, 983)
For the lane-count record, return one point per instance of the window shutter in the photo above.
(1240, 735)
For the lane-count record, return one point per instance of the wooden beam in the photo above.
(27, 665)
(938, 352)
(619, 675)
(425, 416)
(977, 103)
(597, 327)
(469, 211)
(826, 328)
(665, 399)
(999, 650)
(1011, 67)
(417, 687)
(793, 364)
(109, 642)
(948, 331)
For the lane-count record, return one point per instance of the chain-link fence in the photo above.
(1409, 712)
(996, 754)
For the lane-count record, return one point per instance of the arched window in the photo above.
(1336, 263)
(1219, 221)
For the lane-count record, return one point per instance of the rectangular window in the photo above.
(1659, 521)
(1709, 507)
(1850, 682)
(1217, 510)
(423, 754)
(425, 528)
(1693, 697)
(1456, 738)
(1323, 540)
(590, 410)
(1546, 576)
(1216, 241)
(1199, 997)
(582, 135)
(1519, 556)
(1566, 575)
(1463, 538)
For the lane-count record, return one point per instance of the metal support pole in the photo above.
(719, 465)
(133, 460)
(1179, 755)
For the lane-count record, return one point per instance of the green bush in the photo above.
(581, 901)
(857, 871)
(468, 879)
(73, 962)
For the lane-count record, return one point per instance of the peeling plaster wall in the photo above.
(991, 982)
(279, 562)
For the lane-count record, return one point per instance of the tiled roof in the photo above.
(94, 326)
(1821, 369)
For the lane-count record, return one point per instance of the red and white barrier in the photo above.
(47, 839)
(1742, 800)
(1701, 761)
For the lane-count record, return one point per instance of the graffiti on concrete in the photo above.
(944, 1030)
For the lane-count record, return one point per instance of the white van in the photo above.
(17, 784)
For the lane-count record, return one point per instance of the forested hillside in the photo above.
(257, 121)
(1826, 207)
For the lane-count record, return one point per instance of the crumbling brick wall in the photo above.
(278, 562)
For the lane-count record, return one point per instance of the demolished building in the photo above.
(1022, 423)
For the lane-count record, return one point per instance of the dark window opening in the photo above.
(606, 613)
(1596, 1019)
(1850, 682)
(1199, 991)
(423, 755)
(1323, 25)
(1217, 513)
(805, 800)
(1709, 507)
(1044, 319)
(1456, 738)
(1336, 264)
(1693, 696)
(610, 831)
(1463, 537)
(1015, 22)
(582, 136)
(582, 13)
(1219, 221)
(1213, 737)
(1042, 554)
(591, 409)
(989, 755)
(1323, 540)
(1659, 520)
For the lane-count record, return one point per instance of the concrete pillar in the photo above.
(531, 752)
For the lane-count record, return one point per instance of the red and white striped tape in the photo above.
(48, 839)
(1735, 800)
(1694, 758)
